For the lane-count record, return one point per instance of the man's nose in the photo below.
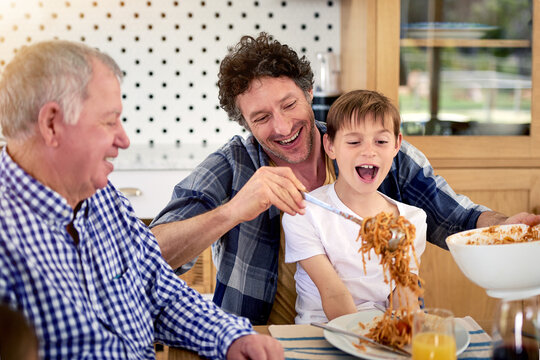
(282, 123)
(122, 140)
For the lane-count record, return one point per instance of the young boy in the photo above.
(363, 137)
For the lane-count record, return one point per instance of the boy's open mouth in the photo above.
(367, 172)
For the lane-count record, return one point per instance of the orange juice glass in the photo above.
(433, 335)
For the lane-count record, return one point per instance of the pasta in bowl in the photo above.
(502, 259)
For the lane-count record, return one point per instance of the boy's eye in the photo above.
(382, 142)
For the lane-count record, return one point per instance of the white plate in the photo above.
(350, 323)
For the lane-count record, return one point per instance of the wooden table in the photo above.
(183, 354)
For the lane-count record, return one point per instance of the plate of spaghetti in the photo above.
(361, 323)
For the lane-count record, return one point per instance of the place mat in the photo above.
(480, 346)
(308, 342)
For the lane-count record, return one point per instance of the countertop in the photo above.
(147, 174)
(162, 157)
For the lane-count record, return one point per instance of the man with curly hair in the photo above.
(233, 199)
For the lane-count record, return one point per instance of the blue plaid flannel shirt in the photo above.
(109, 297)
(246, 257)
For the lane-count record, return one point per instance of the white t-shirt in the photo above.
(320, 231)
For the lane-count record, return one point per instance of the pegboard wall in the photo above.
(170, 51)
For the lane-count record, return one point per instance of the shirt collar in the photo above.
(43, 201)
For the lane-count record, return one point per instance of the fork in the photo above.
(326, 206)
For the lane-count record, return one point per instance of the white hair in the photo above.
(51, 71)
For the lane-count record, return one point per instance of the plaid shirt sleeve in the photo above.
(246, 256)
(207, 187)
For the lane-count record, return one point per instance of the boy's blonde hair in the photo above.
(353, 107)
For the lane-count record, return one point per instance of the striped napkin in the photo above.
(480, 346)
(308, 342)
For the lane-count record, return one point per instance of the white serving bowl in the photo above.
(509, 271)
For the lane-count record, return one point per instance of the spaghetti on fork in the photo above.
(393, 329)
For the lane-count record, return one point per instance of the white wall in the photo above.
(170, 51)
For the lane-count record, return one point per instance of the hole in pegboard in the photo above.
(170, 52)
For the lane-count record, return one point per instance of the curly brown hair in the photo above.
(253, 58)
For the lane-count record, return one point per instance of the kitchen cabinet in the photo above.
(371, 45)
(147, 190)
(501, 172)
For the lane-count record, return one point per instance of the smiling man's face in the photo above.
(280, 117)
(87, 147)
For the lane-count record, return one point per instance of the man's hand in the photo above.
(256, 347)
(268, 186)
(490, 218)
(523, 218)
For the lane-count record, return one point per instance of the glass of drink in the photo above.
(433, 335)
(516, 331)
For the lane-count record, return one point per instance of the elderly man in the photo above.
(233, 198)
(74, 258)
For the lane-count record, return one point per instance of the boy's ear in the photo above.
(328, 147)
(398, 143)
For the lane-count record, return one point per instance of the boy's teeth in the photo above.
(290, 139)
(367, 172)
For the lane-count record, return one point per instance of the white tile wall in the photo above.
(170, 51)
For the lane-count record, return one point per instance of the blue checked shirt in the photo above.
(246, 257)
(109, 297)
